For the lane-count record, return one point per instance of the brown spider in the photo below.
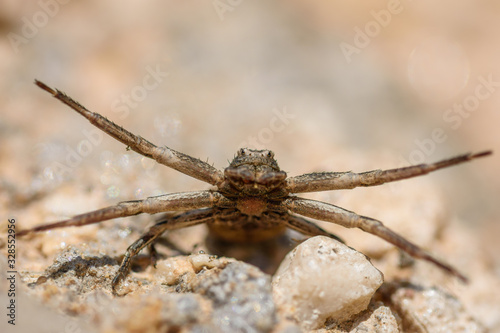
(253, 200)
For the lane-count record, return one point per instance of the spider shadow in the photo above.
(266, 255)
(79, 265)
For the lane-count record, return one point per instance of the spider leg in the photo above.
(181, 162)
(162, 203)
(326, 181)
(153, 254)
(183, 220)
(308, 228)
(330, 213)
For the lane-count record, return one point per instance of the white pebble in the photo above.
(201, 260)
(323, 278)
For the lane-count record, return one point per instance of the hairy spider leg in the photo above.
(183, 220)
(330, 213)
(168, 202)
(326, 181)
(186, 164)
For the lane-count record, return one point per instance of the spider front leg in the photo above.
(183, 220)
(330, 213)
(181, 162)
(326, 181)
(152, 205)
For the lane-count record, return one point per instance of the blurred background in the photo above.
(327, 85)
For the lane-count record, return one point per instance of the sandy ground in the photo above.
(296, 78)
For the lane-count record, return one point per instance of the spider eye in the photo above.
(242, 152)
(270, 154)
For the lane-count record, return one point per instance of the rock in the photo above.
(202, 293)
(241, 298)
(80, 270)
(323, 278)
(201, 260)
(170, 269)
(377, 319)
(430, 310)
(165, 312)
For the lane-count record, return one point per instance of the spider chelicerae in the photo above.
(253, 199)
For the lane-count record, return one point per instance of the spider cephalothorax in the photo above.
(253, 173)
(253, 200)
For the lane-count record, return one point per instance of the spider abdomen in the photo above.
(232, 226)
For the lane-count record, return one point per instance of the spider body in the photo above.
(254, 185)
(253, 200)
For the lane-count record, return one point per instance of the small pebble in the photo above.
(323, 278)
(202, 260)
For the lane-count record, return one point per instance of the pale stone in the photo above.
(378, 318)
(323, 278)
(170, 269)
(432, 310)
(202, 260)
